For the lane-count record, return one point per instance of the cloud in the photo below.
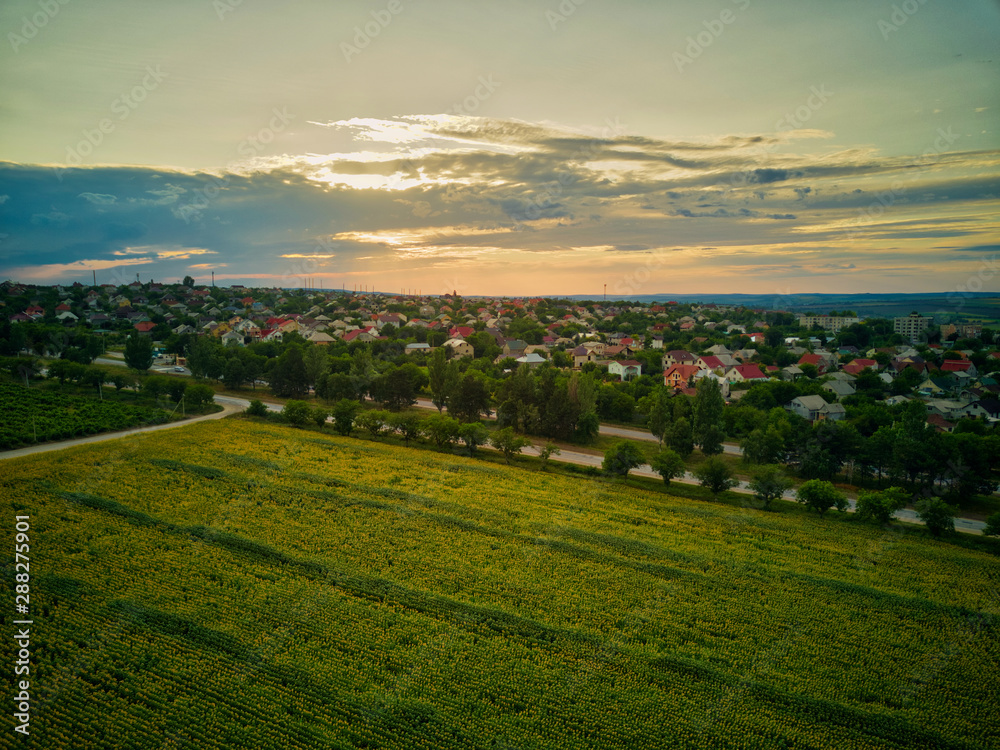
(494, 193)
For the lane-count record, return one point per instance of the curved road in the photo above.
(232, 405)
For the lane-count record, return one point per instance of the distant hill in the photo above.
(944, 305)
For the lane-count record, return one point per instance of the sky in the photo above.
(516, 148)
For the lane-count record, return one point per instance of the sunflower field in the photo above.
(238, 584)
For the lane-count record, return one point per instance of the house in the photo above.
(678, 357)
(417, 347)
(792, 372)
(459, 347)
(940, 424)
(320, 337)
(678, 376)
(145, 328)
(959, 366)
(514, 348)
(986, 408)
(839, 388)
(360, 334)
(582, 355)
(815, 408)
(626, 369)
(711, 362)
(532, 360)
(815, 360)
(741, 373)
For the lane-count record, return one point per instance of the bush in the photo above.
(820, 496)
(344, 414)
(319, 416)
(769, 483)
(375, 421)
(508, 443)
(992, 525)
(198, 395)
(668, 464)
(715, 475)
(298, 413)
(937, 515)
(546, 452)
(257, 408)
(621, 458)
(879, 506)
(473, 434)
(443, 431)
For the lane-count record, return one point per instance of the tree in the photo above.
(680, 437)
(588, 427)
(768, 484)
(257, 408)
(668, 464)
(205, 358)
(546, 452)
(316, 363)
(879, 506)
(820, 496)
(298, 413)
(407, 425)
(508, 442)
(937, 515)
(319, 416)
(344, 414)
(198, 395)
(473, 434)
(375, 421)
(661, 414)
(138, 352)
(707, 416)
(763, 446)
(288, 376)
(992, 527)
(443, 431)
(715, 475)
(621, 458)
(234, 374)
(470, 398)
(397, 388)
(443, 378)
(188, 281)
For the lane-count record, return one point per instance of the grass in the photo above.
(240, 583)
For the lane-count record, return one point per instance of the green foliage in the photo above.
(344, 414)
(992, 527)
(661, 413)
(706, 430)
(257, 408)
(768, 484)
(470, 398)
(508, 442)
(621, 458)
(198, 395)
(715, 475)
(679, 438)
(820, 496)
(298, 413)
(443, 431)
(32, 415)
(442, 377)
(319, 416)
(288, 374)
(546, 452)
(878, 507)
(937, 515)
(407, 425)
(139, 352)
(473, 434)
(668, 464)
(375, 421)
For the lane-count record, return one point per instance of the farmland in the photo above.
(33, 415)
(238, 584)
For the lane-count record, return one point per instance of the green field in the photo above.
(239, 584)
(36, 415)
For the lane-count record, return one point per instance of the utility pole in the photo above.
(605, 292)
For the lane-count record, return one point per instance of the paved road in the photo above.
(229, 406)
(232, 405)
